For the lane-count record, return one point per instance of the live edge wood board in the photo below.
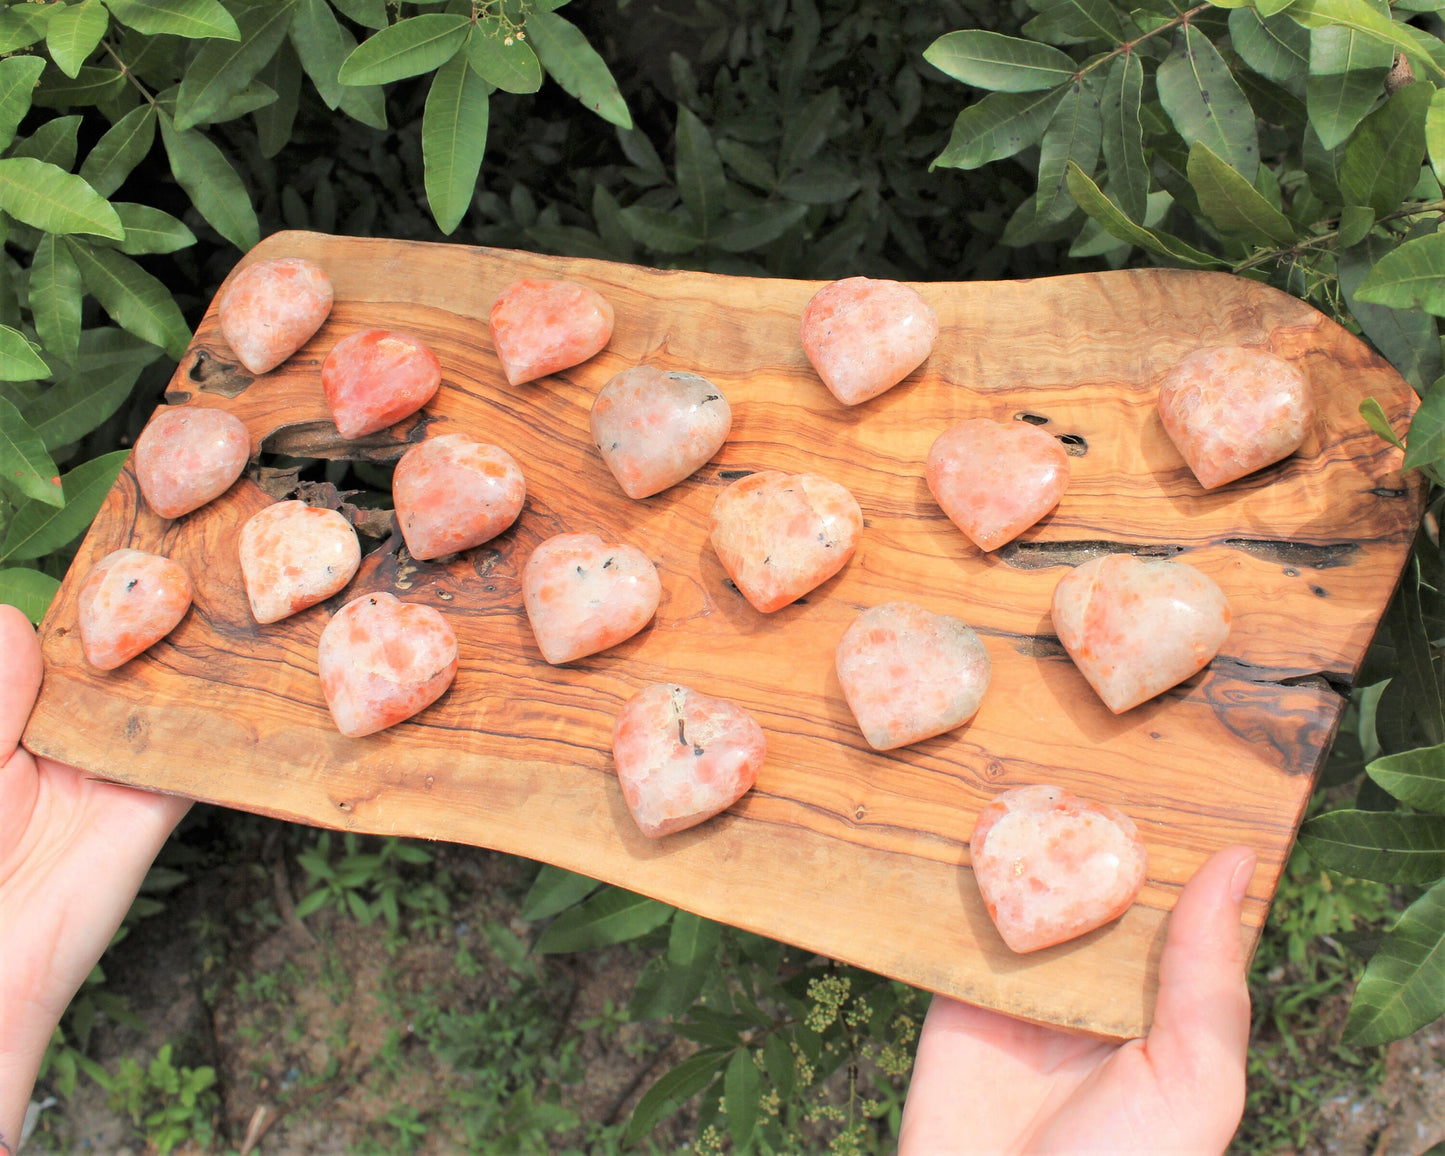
(857, 855)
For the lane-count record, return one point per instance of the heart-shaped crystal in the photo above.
(654, 427)
(780, 535)
(271, 309)
(1135, 627)
(129, 601)
(382, 660)
(996, 479)
(541, 327)
(1051, 866)
(293, 556)
(909, 674)
(375, 378)
(453, 493)
(188, 455)
(1231, 411)
(583, 595)
(683, 756)
(865, 336)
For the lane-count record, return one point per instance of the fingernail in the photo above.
(1239, 881)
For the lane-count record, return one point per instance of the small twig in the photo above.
(632, 1085)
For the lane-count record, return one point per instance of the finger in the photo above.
(19, 677)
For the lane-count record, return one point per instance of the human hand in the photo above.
(73, 853)
(985, 1083)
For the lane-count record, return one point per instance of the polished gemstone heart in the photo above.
(1231, 411)
(583, 595)
(271, 309)
(1135, 627)
(683, 756)
(865, 336)
(909, 674)
(375, 378)
(188, 455)
(996, 479)
(293, 556)
(1051, 866)
(541, 327)
(780, 535)
(654, 427)
(453, 492)
(382, 660)
(129, 601)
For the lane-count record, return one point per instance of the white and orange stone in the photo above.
(583, 595)
(865, 336)
(655, 427)
(1051, 866)
(1136, 626)
(682, 756)
(545, 326)
(996, 479)
(128, 602)
(382, 661)
(375, 378)
(909, 674)
(1232, 410)
(189, 455)
(294, 556)
(453, 492)
(272, 308)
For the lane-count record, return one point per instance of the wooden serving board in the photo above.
(857, 855)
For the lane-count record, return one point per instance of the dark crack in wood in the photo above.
(1326, 557)
(1042, 555)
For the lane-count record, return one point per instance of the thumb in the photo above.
(19, 677)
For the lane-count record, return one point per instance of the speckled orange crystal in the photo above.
(128, 602)
(375, 378)
(294, 556)
(271, 309)
(584, 595)
(546, 326)
(453, 492)
(654, 427)
(864, 336)
(187, 456)
(996, 479)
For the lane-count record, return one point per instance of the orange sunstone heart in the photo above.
(541, 327)
(129, 601)
(271, 309)
(294, 556)
(654, 427)
(453, 492)
(375, 378)
(583, 595)
(188, 455)
(865, 336)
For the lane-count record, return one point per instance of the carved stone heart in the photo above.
(996, 479)
(129, 601)
(188, 455)
(1231, 411)
(865, 336)
(375, 378)
(382, 660)
(293, 556)
(453, 493)
(780, 535)
(1051, 866)
(583, 595)
(909, 674)
(272, 308)
(654, 427)
(683, 756)
(1135, 627)
(541, 327)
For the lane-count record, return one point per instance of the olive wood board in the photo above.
(854, 854)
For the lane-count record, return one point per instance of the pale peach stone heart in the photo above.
(780, 535)
(996, 479)
(375, 378)
(1135, 626)
(683, 756)
(541, 327)
(654, 427)
(187, 456)
(865, 336)
(271, 309)
(294, 556)
(453, 492)
(1231, 411)
(1051, 866)
(909, 674)
(129, 601)
(583, 595)
(382, 660)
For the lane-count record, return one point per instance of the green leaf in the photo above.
(693, 940)
(1412, 276)
(29, 591)
(564, 52)
(18, 359)
(1426, 439)
(823, 182)
(37, 530)
(18, 78)
(222, 68)
(312, 903)
(750, 229)
(150, 230)
(612, 916)
(1386, 846)
(53, 200)
(555, 890)
(26, 470)
(55, 298)
(1414, 777)
(1382, 160)
(367, 13)
(672, 1090)
(93, 86)
(55, 142)
(1276, 47)
(73, 34)
(365, 103)
(808, 128)
(700, 177)
(1346, 76)
(453, 138)
(194, 19)
(665, 232)
(137, 301)
(748, 163)
(1123, 135)
(1234, 204)
(1409, 338)
(86, 394)
(1435, 132)
(1205, 102)
(1077, 22)
(1355, 223)
(1072, 138)
(1000, 63)
(998, 126)
(511, 67)
(124, 145)
(1374, 415)
(407, 48)
(1362, 16)
(214, 188)
(321, 44)
(1091, 199)
(1403, 987)
(742, 1087)
(23, 24)
(256, 95)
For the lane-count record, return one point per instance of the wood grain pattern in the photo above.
(858, 855)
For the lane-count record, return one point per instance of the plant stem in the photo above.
(130, 76)
(1130, 45)
(1322, 240)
